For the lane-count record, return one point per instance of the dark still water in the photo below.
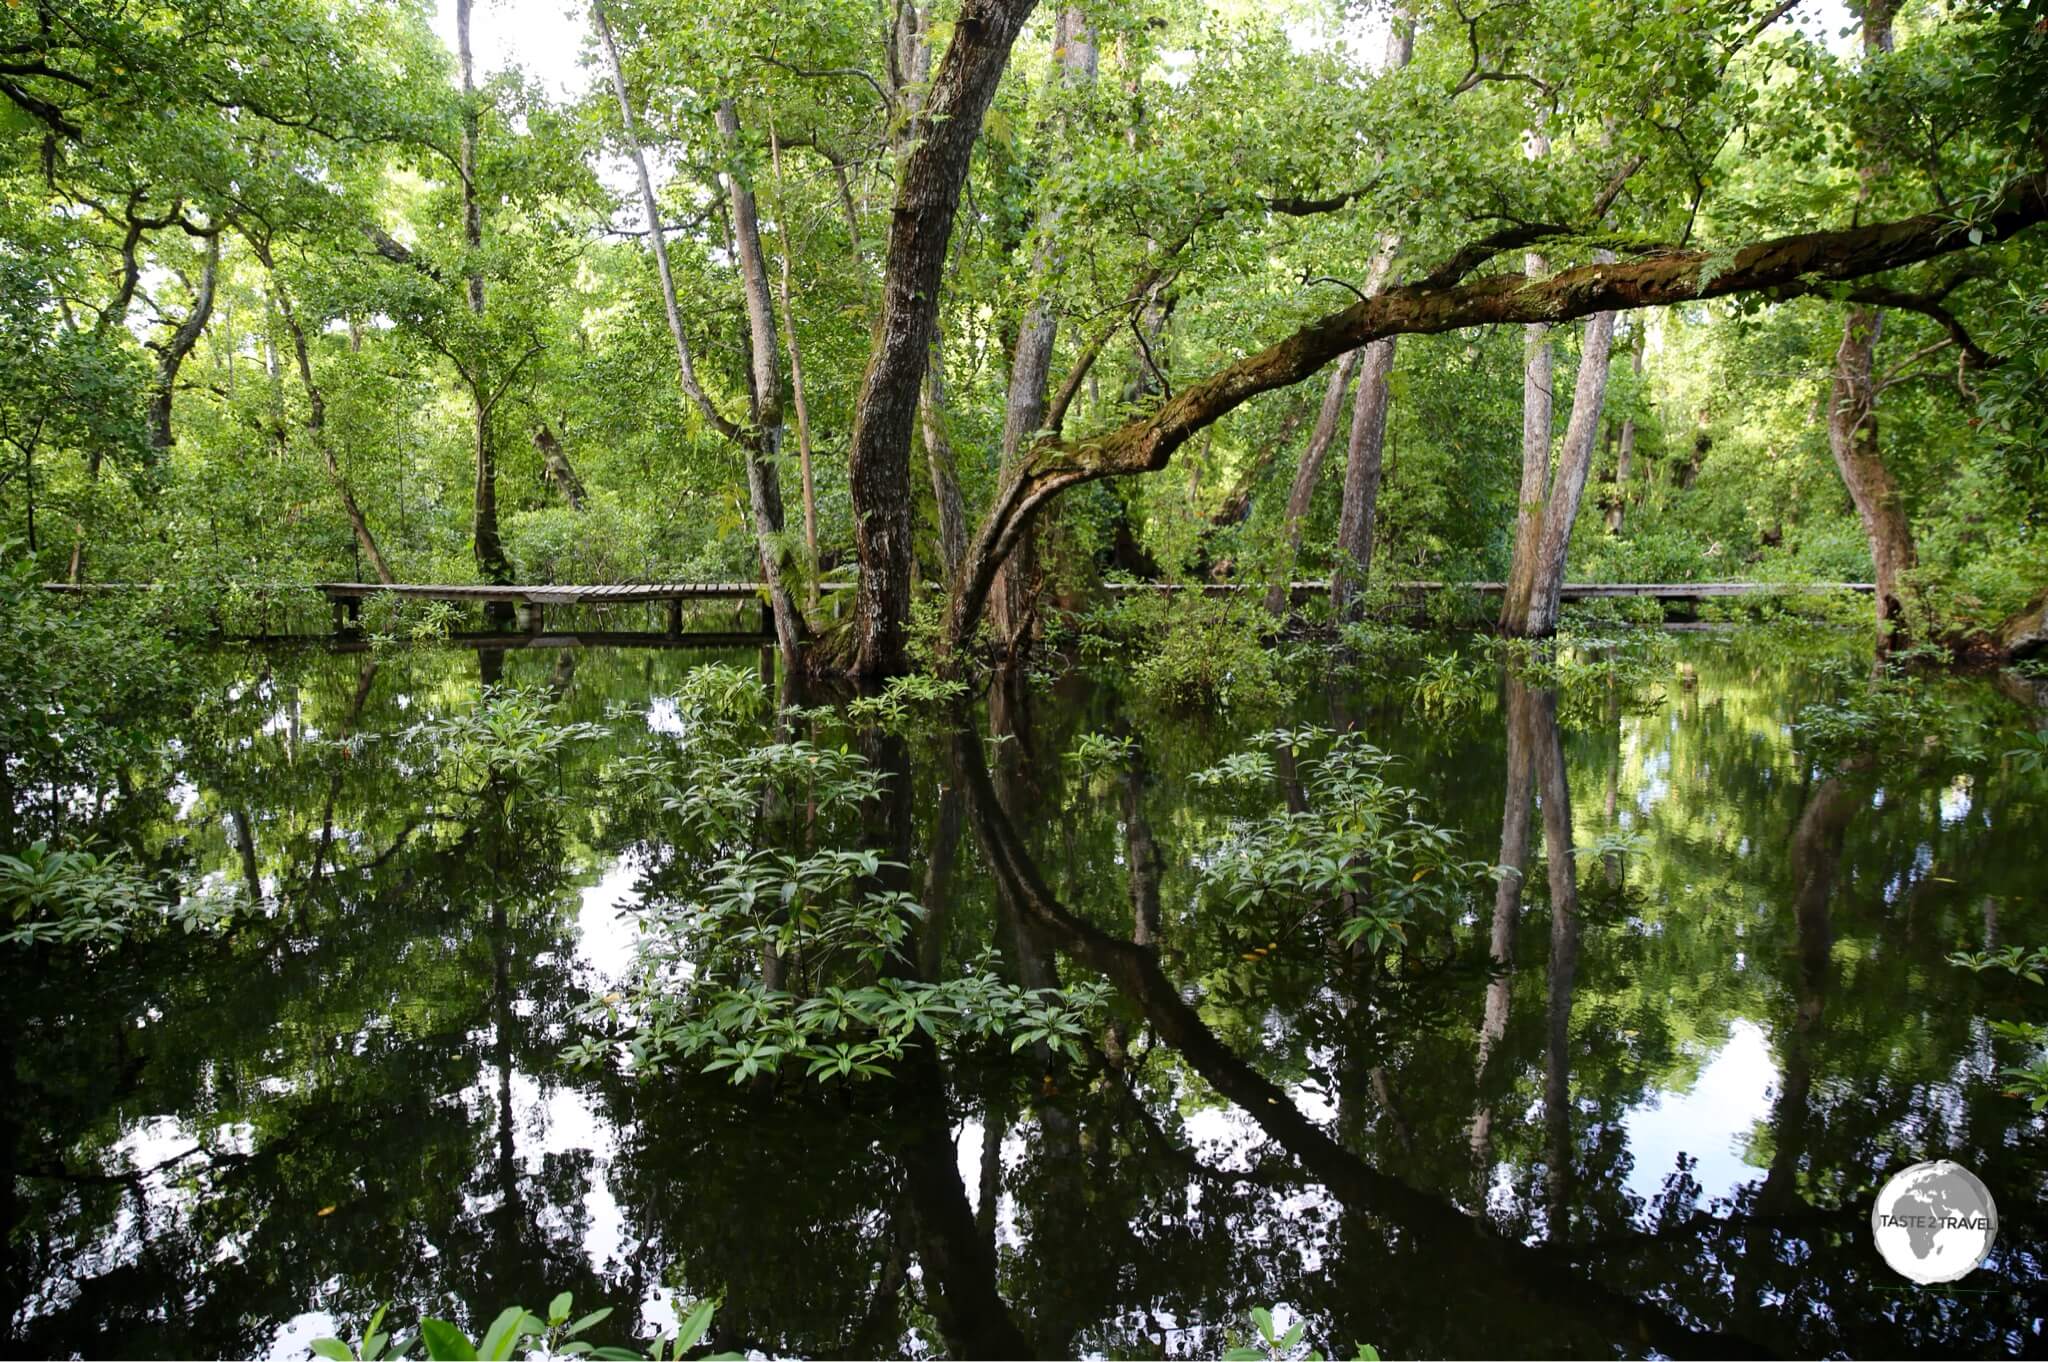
(1726, 1016)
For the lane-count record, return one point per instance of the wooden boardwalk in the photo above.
(1571, 591)
(532, 602)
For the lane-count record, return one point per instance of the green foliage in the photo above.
(1268, 1343)
(1359, 849)
(2029, 1080)
(75, 897)
(556, 1335)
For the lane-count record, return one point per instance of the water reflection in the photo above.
(1638, 1100)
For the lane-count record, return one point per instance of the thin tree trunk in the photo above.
(764, 479)
(1538, 373)
(1568, 487)
(1564, 960)
(1359, 510)
(1624, 459)
(556, 468)
(316, 429)
(1355, 520)
(927, 197)
(945, 469)
(796, 383)
(1024, 410)
(488, 547)
(764, 489)
(172, 357)
(1307, 474)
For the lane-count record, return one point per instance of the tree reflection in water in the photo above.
(1438, 1149)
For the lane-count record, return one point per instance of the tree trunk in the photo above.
(1359, 510)
(172, 357)
(938, 454)
(764, 446)
(556, 468)
(1538, 374)
(1362, 478)
(489, 548)
(1574, 464)
(927, 197)
(1625, 458)
(1852, 415)
(316, 427)
(1024, 410)
(759, 445)
(1307, 474)
(796, 383)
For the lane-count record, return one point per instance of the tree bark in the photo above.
(1624, 458)
(945, 469)
(927, 197)
(764, 445)
(172, 357)
(1852, 415)
(1545, 572)
(1362, 478)
(1024, 409)
(796, 383)
(556, 468)
(1359, 510)
(1538, 399)
(1301, 495)
(760, 444)
(488, 547)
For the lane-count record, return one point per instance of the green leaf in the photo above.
(1243, 1355)
(445, 1342)
(502, 1335)
(594, 1317)
(558, 1308)
(694, 1327)
(373, 1344)
(332, 1348)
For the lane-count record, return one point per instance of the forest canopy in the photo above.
(977, 303)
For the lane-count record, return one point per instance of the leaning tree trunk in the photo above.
(316, 430)
(944, 466)
(1024, 410)
(486, 543)
(764, 448)
(556, 468)
(172, 357)
(1625, 457)
(927, 197)
(759, 444)
(1442, 302)
(1852, 417)
(1301, 495)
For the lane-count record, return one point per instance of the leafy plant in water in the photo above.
(1358, 846)
(555, 1336)
(1100, 753)
(1448, 685)
(511, 736)
(1268, 1343)
(905, 701)
(2028, 1081)
(68, 897)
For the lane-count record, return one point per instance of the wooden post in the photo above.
(767, 621)
(675, 616)
(531, 616)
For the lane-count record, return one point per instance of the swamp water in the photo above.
(1727, 1016)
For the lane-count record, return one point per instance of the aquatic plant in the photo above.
(556, 1335)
